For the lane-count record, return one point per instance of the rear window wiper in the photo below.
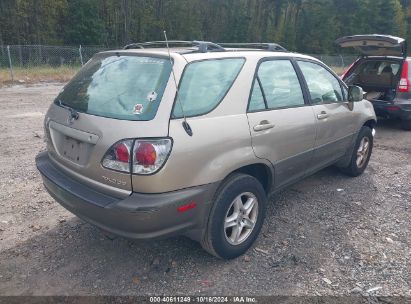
(73, 113)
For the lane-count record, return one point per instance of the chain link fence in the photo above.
(26, 58)
(339, 63)
(31, 57)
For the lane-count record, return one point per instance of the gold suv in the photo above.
(148, 142)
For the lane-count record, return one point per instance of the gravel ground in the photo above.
(326, 235)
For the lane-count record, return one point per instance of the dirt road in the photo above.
(327, 235)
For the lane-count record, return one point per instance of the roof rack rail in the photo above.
(272, 47)
(203, 46)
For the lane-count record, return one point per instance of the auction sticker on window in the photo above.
(152, 96)
(138, 109)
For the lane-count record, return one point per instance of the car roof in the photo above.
(192, 54)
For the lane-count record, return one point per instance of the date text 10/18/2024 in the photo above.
(202, 299)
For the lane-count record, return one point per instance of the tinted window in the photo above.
(280, 86)
(204, 85)
(323, 86)
(121, 87)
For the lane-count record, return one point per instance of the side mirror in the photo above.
(355, 94)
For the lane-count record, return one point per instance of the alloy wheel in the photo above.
(241, 218)
(363, 152)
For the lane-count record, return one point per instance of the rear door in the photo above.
(114, 98)
(335, 120)
(282, 124)
(375, 45)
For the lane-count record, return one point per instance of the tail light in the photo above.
(118, 156)
(150, 155)
(138, 156)
(404, 85)
(392, 108)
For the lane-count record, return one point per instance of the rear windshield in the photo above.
(120, 87)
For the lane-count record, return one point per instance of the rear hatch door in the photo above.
(375, 45)
(115, 97)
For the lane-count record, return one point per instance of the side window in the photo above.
(279, 86)
(204, 85)
(257, 99)
(345, 92)
(323, 86)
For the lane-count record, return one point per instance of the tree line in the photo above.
(299, 25)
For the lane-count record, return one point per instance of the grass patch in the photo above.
(38, 74)
(339, 70)
(62, 74)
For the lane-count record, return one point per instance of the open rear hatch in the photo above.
(375, 45)
(93, 122)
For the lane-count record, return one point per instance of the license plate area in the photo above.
(74, 150)
(72, 145)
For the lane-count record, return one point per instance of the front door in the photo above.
(335, 120)
(282, 124)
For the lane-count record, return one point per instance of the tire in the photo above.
(406, 125)
(357, 166)
(220, 241)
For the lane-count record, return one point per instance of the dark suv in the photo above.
(382, 71)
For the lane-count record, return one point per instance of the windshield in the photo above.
(120, 87)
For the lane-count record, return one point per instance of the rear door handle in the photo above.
(322, 115)
(264, 125)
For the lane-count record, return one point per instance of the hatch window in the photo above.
(120, 87)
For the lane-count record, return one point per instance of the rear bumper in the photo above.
(139, 216)
(386, 109)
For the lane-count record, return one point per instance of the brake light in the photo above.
(122, 153)
(118, 156)
(404, 85)
(147, 156)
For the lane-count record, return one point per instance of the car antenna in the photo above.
(186, 126)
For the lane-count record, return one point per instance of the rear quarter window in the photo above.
(204, 85)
